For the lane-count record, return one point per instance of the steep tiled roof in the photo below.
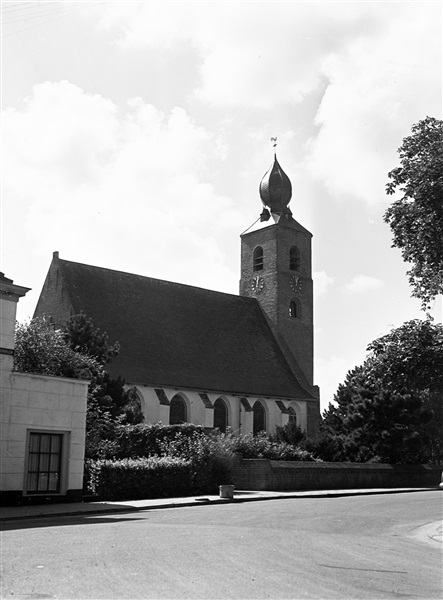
(172, 334)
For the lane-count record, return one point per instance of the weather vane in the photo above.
(274, 145)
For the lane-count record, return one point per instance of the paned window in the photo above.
(257, 263)
(292, 416)
(294, 258)
(259, 423)
(220, 415)
(177, 411)
(44, 463)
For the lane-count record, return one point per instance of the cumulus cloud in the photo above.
(363, 283)
(363, 115)
(76, 167)
(258, 55)
(357, 60)
(322, 281)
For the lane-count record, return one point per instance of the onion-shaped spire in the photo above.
(275, 188)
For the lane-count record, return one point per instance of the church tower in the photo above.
(276, 269)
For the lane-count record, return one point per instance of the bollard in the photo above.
(441, 484)
(226, 491)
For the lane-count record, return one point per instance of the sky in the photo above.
(135, 135)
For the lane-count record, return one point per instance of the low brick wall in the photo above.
(273, 475)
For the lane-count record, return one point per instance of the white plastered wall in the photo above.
(41, 403)
(239, 419)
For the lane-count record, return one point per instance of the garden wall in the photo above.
(272, 475)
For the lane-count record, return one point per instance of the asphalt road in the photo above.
(345, 547)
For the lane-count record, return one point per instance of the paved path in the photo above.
(9, 513)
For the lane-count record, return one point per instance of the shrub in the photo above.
(210, 458)
(146, 461)
(148, 440)
(261, 446)
(154, 477)
(290, 433)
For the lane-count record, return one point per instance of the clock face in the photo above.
(257, 284)
(295, 284)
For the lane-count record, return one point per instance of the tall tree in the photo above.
(416, 218)
(390, 408)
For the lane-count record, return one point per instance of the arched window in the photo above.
(259, 423)
(292, 415)
(294, 310)
(294, 258)
(177, 411)
(257, 259)
(220, 415)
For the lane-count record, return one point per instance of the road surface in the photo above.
(345, 547)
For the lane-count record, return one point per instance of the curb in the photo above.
(206, 502)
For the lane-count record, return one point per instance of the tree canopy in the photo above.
(390, 409)
(416, 218)
(39, 348)
(84, 337)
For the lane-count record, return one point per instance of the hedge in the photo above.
(132, 479)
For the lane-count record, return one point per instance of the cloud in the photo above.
(322, 281)
(125, 189)
(363, 283)
(369, 104)
(259, 55)
(355, 59)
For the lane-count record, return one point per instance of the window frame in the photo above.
(221, 400)
(255, 430)
(294, 258)
(292, 415)
(63, 466)
(186, 409)
(258, 259)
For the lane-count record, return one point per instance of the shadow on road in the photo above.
(60, 521)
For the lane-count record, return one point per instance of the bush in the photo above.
(210, 458)
(132, 479)
(261, 446)
(149, 440)
(290, 433)
(155, 461)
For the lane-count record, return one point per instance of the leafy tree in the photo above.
(84, 337)
(107, 394)
(391, 407)
(39, 348)
(416, 219)
(410, 359)
(372, 423)
(410, 356)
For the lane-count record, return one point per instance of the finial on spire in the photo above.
(275, 187)
(274, 145)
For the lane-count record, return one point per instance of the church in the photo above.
(214, 359)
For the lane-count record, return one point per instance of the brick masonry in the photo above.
(271, 475)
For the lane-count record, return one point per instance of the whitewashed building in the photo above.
(43, 422)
